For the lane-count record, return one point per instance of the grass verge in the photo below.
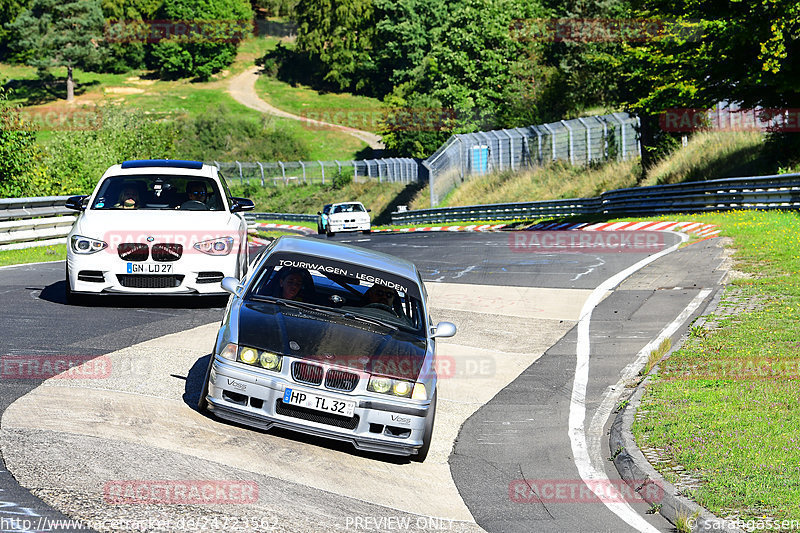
(39, 254)
(354, 111)
(725, 406)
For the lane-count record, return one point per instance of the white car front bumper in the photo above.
(193, 273)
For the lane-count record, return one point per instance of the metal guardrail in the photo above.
(764, 192)
(289, 217)
(26, 222)
(38, 221)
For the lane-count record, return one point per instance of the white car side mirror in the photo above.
(443, 329)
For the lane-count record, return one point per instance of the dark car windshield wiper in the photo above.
(291, 303)
(326, 310)
(367, 319)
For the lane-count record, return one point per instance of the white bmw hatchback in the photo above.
(156, 227)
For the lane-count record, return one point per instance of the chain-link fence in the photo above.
(579, 141)
(403, 170)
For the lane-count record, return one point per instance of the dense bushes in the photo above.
(178, 38)
(218, 136)
(20, 156)
(207, 47)
(71, 162)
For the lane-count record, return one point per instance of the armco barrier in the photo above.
(291, 217)
(28, 222)
(764, 192)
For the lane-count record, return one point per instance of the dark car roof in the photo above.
(346, 252)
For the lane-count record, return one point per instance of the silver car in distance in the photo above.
(331, 340)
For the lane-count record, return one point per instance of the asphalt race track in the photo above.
(524, 399)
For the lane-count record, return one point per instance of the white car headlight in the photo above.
(221, 246)
(86, 245)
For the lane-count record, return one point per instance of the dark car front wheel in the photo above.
(202, 403)
(426, 439)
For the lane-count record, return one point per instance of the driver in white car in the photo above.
(196, 191)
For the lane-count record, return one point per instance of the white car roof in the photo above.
(162, 166)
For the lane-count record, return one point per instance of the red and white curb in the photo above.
(286, 227)
(697, 228)
(476, 227)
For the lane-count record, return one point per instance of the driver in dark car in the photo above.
(382, 296)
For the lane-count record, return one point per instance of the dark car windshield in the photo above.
(154, 191)
(347, 289)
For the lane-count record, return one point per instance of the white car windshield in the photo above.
(155, 191)
(349, 208)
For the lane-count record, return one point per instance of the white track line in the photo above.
(614, 393)
(577, 408)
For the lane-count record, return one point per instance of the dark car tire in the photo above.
(422, 453)
(328, 232)
(202, 403)
(367, 231)
(69, 295)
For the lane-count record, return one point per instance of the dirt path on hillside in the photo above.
(242, 88)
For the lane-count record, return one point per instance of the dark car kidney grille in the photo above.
(306, 373)
(144, 281)
(169, 251)
(133, 251)
(341, 380)
(316, 416)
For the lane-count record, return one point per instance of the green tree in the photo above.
(126, 27)
(9, 10)
(215, 28)
(478, 73)
(59, 33)
(405, 33)
(747, 56)
(340, 33)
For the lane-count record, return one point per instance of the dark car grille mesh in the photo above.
(169, 251)
(316, 416)
(341, 380)
(133, 251)
(306, 373)
(137, 281)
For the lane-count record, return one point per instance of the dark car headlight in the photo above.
(397, 387)
(252, 356)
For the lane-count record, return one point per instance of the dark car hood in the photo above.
(331, 340)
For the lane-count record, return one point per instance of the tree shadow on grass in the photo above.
(44, 90)
(404, 198)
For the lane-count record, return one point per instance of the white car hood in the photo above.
(359, 215)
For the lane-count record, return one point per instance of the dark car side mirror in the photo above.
(75, 203)
(242, 204)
